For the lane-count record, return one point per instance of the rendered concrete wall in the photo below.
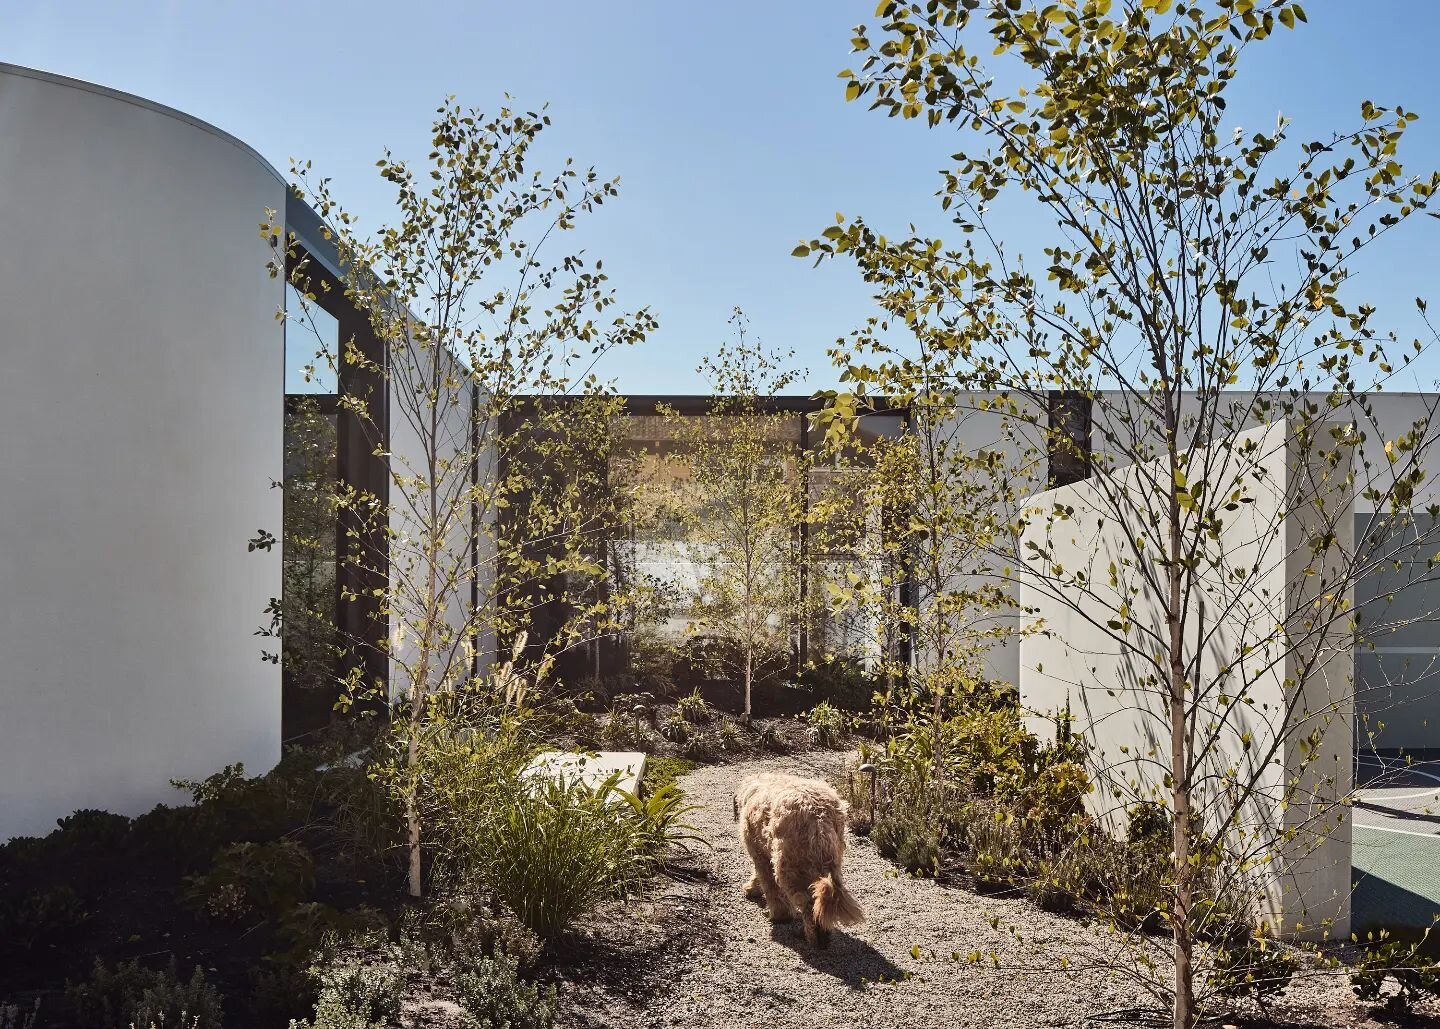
(1258, 717)
(141, 419)
(411, 444)
(1397, 695)
(971, 431)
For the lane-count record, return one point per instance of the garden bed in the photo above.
(244, 879)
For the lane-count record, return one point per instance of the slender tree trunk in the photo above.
(419, 687)
(749, 678)
(412, 763)
(412, 818)
(1185, 1015)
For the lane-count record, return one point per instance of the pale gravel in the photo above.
(696, 954)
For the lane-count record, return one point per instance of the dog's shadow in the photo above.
(848, 958)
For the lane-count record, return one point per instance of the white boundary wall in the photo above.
(140, 427)
(1076, 662)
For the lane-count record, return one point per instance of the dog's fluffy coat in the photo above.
(794, 830)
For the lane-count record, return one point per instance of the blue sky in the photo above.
(725, 122)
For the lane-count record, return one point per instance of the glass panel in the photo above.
(312, 345)
(308, 591)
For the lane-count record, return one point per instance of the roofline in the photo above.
(703, 403)
(141, 102)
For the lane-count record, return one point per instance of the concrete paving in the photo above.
(592, 769)
(1395, 855)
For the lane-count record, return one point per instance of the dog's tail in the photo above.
(833, 903)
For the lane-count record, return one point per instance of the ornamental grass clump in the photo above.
(548, 849)
(552, 850)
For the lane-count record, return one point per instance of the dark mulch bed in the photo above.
(114, 889)
(110, 888)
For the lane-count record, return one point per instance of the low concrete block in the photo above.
(591, 769)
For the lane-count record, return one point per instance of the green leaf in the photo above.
(801, 251)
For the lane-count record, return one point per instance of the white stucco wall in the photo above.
(140, 427)
(1398, 679)
(974, 429)
(1257, 581)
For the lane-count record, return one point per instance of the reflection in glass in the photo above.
(312, 346)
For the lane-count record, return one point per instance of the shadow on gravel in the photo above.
(853, 961)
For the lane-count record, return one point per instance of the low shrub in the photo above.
(623, 730)
(132, 995)
(562, 717)
(1057, 883)
(842, 682)
(909, 839)
(825, 724)
(253, 809)
(1138, 890)
(356, 992)
(1245, 963)
(494, 997)
(663, 771)
(277, 990)
(996, 858)
(1050, 799)
(728, 736)
(985, 748)
(303, 929)
(471, 927)
(1094, 863)
(13, 1016)
(600, 690)
(701, 746)
(772, 739)
(1396, 973)
(1149, 824)
(694, 709)
(677, 730)
(44, 915)
(252, 880)
(178, 838)
(364, 816)
(369, 983)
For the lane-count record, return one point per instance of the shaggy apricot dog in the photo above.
(794, 829)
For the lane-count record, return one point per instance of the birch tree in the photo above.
(921, 513)
(736, 492)
(1196, 285)
(473, 306)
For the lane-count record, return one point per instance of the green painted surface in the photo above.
(1396, 877)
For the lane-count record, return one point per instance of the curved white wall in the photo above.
(141, 372)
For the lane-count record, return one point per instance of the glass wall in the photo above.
(308, 601)
(659, 557)
(312, 347)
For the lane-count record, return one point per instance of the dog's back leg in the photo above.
(795, 876)
(762, 885)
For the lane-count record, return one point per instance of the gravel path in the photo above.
(708, 959)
